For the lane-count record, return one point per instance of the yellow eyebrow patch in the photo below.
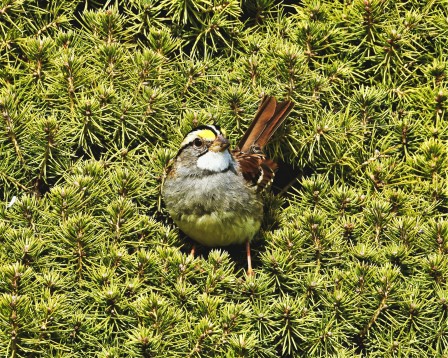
(207, 134)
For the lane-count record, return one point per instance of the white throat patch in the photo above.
(215, 161)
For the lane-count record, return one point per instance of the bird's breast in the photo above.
(219, 228)
(214, 210)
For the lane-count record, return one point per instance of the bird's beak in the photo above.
(220, 144)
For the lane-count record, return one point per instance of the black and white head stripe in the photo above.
(205, 132)
(213, 127)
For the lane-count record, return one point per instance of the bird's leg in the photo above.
(193, 250)
(250, 272)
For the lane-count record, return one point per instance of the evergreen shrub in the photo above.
(352, 256)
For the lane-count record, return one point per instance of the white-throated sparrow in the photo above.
(213, 193)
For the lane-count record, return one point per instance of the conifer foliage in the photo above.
(95, 98)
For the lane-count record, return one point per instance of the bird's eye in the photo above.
(197, 142)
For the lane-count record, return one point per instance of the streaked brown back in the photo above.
(254, 165)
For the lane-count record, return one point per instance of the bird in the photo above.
(214, 193)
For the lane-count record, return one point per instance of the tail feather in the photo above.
(269, 117)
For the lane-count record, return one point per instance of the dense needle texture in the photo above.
(96, 98)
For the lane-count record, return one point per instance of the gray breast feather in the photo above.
(225, 191)
(216, 209)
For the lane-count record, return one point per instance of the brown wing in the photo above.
(269, 117)
(256, 168)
